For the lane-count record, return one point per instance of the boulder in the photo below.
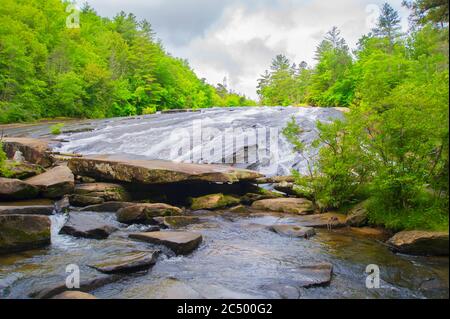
(299, 206)
(156, 171)
(293, 231)
(144, 213)
(181, 243)
(13, 189)
(33, 150)
(55, 183)
(86, 226)
(107, 191)
(214, 201)
(417, 242)
(23, 232)
(107, 207)
(179, 221)
(23, 170)
(127, 262)
(84, 200)
(240, 209)
(250, 198)
(327, 220)
(74, 295)
(45, 210)
(358, 216)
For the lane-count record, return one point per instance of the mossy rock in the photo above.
(145, 213)
(213, 201)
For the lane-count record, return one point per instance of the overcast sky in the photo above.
(237, 39)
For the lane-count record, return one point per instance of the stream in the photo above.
(239, 257)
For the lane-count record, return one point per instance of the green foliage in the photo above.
(107, 67)
(56, 129)
(149, 110)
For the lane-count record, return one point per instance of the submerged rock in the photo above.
(106, 191)
(214, 201)
(74, 295)
(33, 150)
(156, 171)
(285, 205)
(127, 262)
(87, 226)
(13, 189)
(23, 232)
(327, 220)
(358, 217)
(144, 213)
(416, 242)
(293, 231)
(55, 183)
(181, 243)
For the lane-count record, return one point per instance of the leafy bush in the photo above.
(56, 129)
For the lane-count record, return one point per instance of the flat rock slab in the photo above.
(323, 220)
(22, 232)
(15, 189)
(33, 150)
(213, 201)
(293, 231)
(127, 262)
(416, 242)
(45, 210)
(55, 183)
(181, 243)
(87, 226)
(299, 206)
(106, 191)
(156, 171)
(74, 295)
(145, 213)
(107, 207)
(179, 221)
(83, 200)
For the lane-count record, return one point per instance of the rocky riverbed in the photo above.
(140, 226)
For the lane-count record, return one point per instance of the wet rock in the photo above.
(83, 200)
(327, 220)
(214, 201)
(33, 150)
(127, 262)
(23, 170)
(85, 179)
(55, 183)
(285, 205)
(293, 231)
(107, 207)
(181, 243)
(62, 205)
(74, 295)
(358, 216)
(275, 180)
(378, 233)
(179, 221)
(284, 291)
(107, 191)
(157, 172)
(144, 213)
(250, 198)
(314, 275)
(23, 232)
(285, 187)
(87, 226)
(45, 210)
(416, 242)
(13, 189)
(240, 209)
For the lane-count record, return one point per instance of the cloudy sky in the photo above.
(237, 39)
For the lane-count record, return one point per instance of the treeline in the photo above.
(106, 67)
(392, 149)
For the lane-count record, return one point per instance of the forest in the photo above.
(103, 68)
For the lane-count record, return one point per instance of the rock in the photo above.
(85, 179)
(13, 189)
(181, 243)
(108, 191)
(293, 231)
(33, 150)
(55, 183)
(86, 226)
(144, 213)
(45, 210)
(214, 201)
(107, 207)
(179, 221)
(285, 205)
(378, 233)
(156, 171)
(62, 206)
(314, 275)
(357, 217)
(22, 170)
(250, 198)
(83, 200)
(240, 209)
(275, 180)
(416, 242)
(323, 220)
(74, 295)
(127, 262)
(23, 232)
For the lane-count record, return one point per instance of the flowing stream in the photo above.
(239, 258)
